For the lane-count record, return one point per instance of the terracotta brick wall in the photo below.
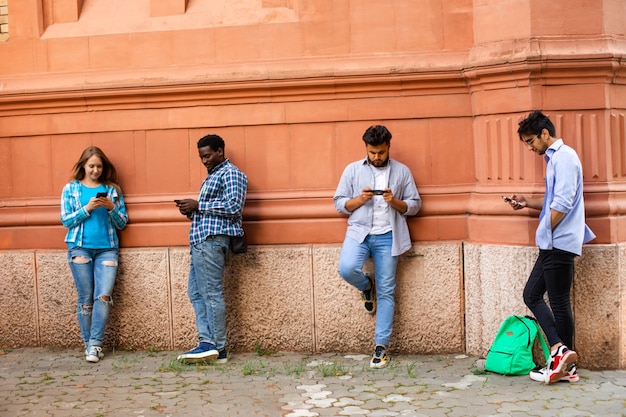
(4, 20)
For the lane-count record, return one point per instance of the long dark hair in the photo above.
(109, 174)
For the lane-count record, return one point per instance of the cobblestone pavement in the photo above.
(59, 383)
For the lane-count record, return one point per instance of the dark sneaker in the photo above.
(541, 374)
(93, 354)
(203, 352)
(379, 358)
(560, 361)
(369, 296)
(222, 357)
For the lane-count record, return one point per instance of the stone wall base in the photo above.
(494, 280)
(450, 297)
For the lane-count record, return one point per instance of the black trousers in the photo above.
(553, 273)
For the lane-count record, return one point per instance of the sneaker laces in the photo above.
(379, 351)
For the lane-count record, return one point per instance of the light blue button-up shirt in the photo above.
(359, 175)
(564, 193)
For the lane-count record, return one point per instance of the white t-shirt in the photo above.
(381, 223)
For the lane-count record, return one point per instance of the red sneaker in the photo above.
(559, 363)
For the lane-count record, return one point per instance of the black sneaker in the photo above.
(222, 357)
(369, 296)
(379, 357)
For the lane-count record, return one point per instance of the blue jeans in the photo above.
(553, 273)
(94, 272)
(206, 274)
(353, 256)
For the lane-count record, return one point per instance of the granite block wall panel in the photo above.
(429, 300)
(141, 314)
(18, 320)
(622, 308)
(184, 331)
(269, 300)
(57, 300)
(428, 303)
(341, 324)
(494, 281)
(292, 298)
(596, 299)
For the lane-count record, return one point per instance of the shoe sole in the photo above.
(93, 359)
(569, 358)
(565, 378)
(221, 361)
(379, 365)
(198, 357)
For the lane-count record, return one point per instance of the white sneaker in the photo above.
(541, 375)
(561, 359)
(94, 354)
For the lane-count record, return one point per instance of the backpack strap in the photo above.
(521, 319)
(544, 345)
(542, 340)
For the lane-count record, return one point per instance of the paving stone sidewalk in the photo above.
(59, 383)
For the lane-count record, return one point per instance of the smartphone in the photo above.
(377, 192)
(510, 200)
(99, 195)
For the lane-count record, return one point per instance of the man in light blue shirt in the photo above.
(378, 194)
(560, 235)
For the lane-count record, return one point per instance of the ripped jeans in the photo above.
(94, 272)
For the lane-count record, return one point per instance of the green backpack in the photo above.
(512, 350)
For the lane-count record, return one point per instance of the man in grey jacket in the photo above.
(377, 193)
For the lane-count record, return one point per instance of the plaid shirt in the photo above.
(220, 204)
(73, 214)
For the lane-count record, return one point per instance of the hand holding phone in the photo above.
(510, 200)
(101, 195)
(377, 192)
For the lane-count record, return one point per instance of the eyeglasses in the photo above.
(531, 140)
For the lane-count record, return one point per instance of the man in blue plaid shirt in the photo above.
(215, 217)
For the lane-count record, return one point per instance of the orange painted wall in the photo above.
(291, 85)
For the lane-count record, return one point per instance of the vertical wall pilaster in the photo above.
(65, 11)
(167, 7)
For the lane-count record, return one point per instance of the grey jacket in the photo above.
(357, 176)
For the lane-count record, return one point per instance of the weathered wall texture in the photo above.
(281, 298)
(494, 281)
(291, 85)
